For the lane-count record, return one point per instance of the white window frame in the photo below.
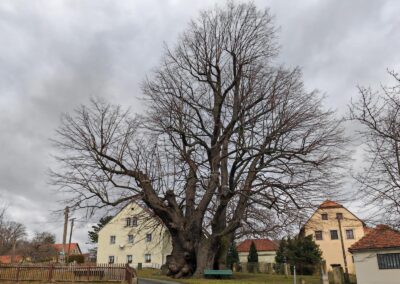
(129, 258)
(352, 234)
(337, 234)
(322, 235)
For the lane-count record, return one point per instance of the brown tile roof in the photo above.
(382, 237)
(261, 245)
(330, 204)
(7, 258)
(367, 230)
(59, 247)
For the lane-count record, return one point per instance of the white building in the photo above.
(134, 236)
(377, 256)
(266, 250)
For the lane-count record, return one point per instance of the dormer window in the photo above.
(324, 216)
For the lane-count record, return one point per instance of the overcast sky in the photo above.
(54, 55)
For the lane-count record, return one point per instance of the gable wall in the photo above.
(331, 249)
(159, 247)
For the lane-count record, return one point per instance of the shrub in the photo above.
(78, 258)
(302, 252)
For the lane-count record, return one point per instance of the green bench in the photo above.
(218, 273)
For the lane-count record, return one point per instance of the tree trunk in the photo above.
(182, 261)
(204, 256)
(190, 258)
(222, 253)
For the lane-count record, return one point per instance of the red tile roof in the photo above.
(7, 258)
(330, 204)
(367, 230)
(261, 245)
(59, 247)
(382, 237)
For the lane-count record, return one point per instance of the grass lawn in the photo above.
(238, 277)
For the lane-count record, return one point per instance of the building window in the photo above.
(111, 259)
(148, 237)
(147, 258)
(129, 258)
(389, 261)
(112, 239)
(350, 234)
(339, 216)
(334, 235)
(324, 216)
(130, 239)
(131, 222)
(318, 235)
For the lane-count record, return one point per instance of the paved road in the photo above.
(154, 281)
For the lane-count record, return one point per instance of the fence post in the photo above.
(286, 269)
(294, 274)
(50, 273)
(18, 268)
(88, 275)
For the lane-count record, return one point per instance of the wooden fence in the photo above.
(66, 273)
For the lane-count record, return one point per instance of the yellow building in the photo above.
(334, 228)
(134, 236)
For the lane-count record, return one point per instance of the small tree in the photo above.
(232, 256)
(280, 257)
(40, 248)
(252, 259)
(302, 252)
(44, 238)
(94, 235)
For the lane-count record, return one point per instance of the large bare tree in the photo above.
(228, 134)
(379, 114)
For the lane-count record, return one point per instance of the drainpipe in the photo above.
(346, 273)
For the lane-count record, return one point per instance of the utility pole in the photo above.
(70, 235)
(64, 241)
(346, 273)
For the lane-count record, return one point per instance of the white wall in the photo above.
(159, 247)
(263, 256)
(368, 272)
